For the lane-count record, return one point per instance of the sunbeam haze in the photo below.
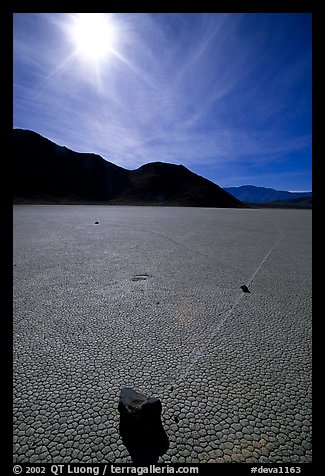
(226, 95)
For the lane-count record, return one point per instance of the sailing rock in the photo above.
(141, 429)
(245, 289)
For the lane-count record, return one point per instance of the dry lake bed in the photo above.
(151, 298)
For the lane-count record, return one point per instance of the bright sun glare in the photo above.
(94, 35)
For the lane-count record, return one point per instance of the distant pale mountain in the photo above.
(261, 195)
(44, 172)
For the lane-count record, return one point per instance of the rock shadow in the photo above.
(141, 428)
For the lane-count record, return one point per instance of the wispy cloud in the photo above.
(210, 91)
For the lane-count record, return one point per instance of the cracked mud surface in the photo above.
(151, 299)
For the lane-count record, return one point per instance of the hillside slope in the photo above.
(46, 172)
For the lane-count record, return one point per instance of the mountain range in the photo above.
(263, 195)
(46, 172)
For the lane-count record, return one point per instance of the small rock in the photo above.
(245, 289)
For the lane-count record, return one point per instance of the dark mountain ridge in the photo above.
(46, 172)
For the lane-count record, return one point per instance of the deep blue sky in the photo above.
(226, 95)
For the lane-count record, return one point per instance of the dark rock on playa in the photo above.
(245, 289)
(141, 429)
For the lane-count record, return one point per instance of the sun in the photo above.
(94, 36)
